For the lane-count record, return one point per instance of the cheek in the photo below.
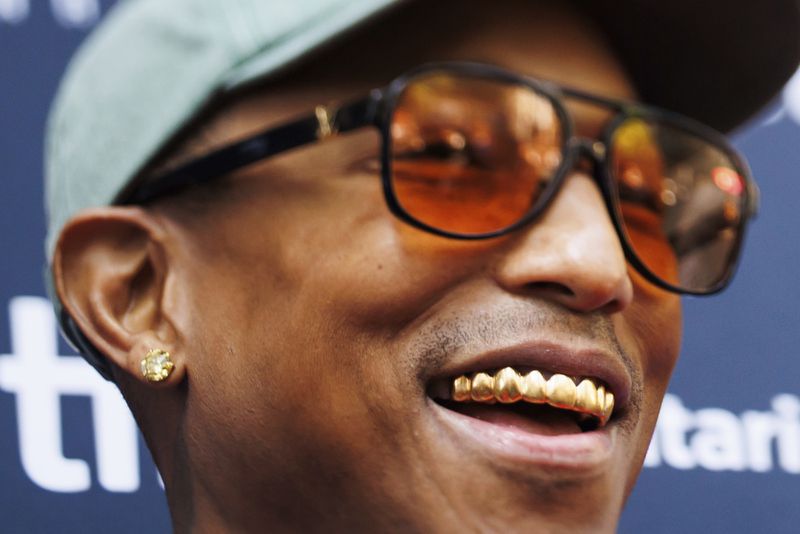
(651, 328)
(315, 238)
(286, 383)
(656, 318)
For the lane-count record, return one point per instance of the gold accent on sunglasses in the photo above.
(326, 120)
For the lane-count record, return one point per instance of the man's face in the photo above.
(320, 331)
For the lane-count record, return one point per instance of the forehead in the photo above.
(549, 40)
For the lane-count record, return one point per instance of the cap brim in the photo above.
(717, 61)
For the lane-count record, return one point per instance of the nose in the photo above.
(571, 254)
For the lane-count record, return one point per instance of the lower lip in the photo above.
(583, 452)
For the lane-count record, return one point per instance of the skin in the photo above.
(305, 320)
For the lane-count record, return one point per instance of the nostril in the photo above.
(553, 288)
(623, 295)
(610, 295)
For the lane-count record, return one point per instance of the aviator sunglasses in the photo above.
(473, 151)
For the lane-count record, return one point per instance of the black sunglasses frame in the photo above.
(377, 110)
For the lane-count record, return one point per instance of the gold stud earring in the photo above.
(156, 365)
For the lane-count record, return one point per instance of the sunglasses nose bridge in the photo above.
(588, 156)
(589, 149)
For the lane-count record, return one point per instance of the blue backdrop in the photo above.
(725, 457)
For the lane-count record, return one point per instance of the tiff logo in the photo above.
(719, 440)
(38, 377)
(68, 13)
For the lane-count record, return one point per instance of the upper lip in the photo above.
(596, 363)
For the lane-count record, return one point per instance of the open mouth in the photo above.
(530, 400)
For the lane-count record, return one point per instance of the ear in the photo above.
(110, 268)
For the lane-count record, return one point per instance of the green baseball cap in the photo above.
(153, 65)
(150, 67)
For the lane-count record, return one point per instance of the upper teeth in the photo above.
(561, 391)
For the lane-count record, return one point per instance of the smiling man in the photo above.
(423, 278)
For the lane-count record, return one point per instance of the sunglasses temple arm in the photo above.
(321, 125)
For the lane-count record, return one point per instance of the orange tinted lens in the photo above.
(682, 200)
(471, 155)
